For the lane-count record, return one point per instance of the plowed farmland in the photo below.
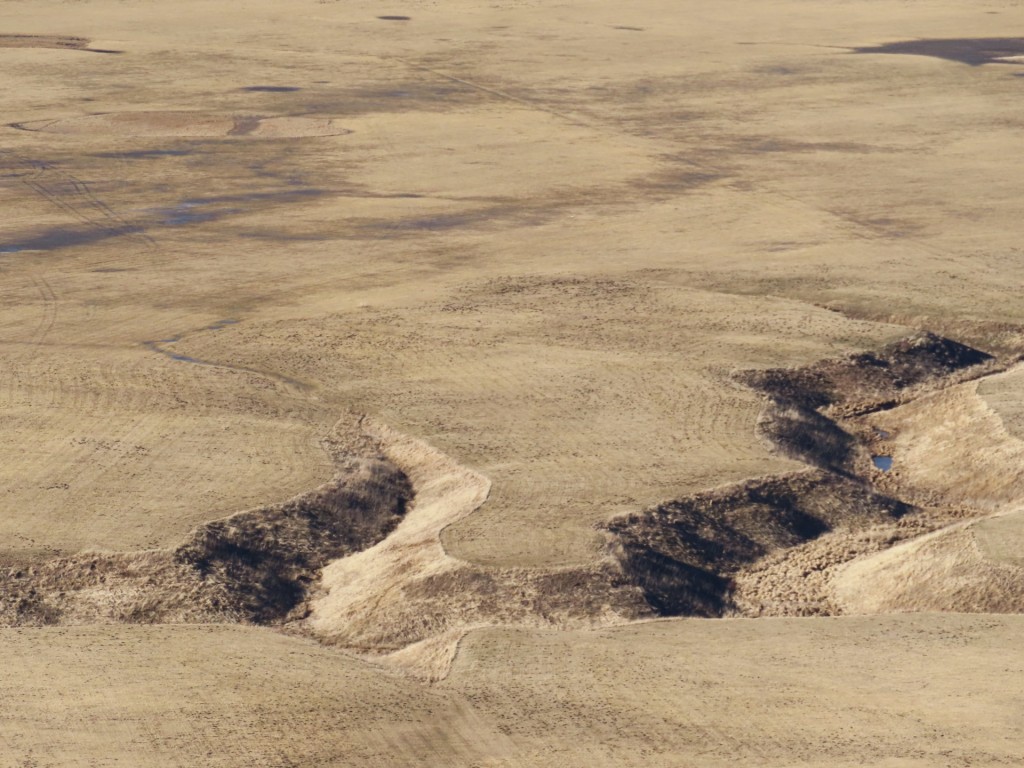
(511, 383)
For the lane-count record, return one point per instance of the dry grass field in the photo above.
(510, 384)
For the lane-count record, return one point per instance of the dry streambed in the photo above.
(359, 562)
(253, 567)
(901, 447)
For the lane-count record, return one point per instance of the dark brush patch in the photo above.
(266, 559)
(869, 379)
(56, 42)
(395, 18)
(244, 125)
(253, 567)
(684, 555)
(66, 42)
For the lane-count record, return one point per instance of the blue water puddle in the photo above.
(10, 249)
(883, 463)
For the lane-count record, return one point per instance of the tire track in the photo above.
(49, 312)
(73, 196)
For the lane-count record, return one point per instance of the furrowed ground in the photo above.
(456, 342)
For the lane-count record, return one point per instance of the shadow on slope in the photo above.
(684, 555)
(253, 567)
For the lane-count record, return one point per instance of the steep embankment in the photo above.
(253, 567)
(684, 555)
(952, 448)
(408, 593)
(776, 546)
(360, 563)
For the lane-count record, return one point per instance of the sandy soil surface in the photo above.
(518, 258)
(892, 691)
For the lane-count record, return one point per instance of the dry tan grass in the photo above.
(889, 690)
(579, 398)
(219, 696)
(119, 451)
(534, 243)
(1000, 537)
(941, 442)
(1002, 395)
(884, 690)
(944, 571)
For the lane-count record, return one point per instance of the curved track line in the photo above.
(50, 182)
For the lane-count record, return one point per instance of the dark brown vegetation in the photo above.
(683, 555)
(60, 42)
(253, 567)
(868, 381)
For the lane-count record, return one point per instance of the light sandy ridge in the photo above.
(938, 444)
(385, 598)
(358, 587)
